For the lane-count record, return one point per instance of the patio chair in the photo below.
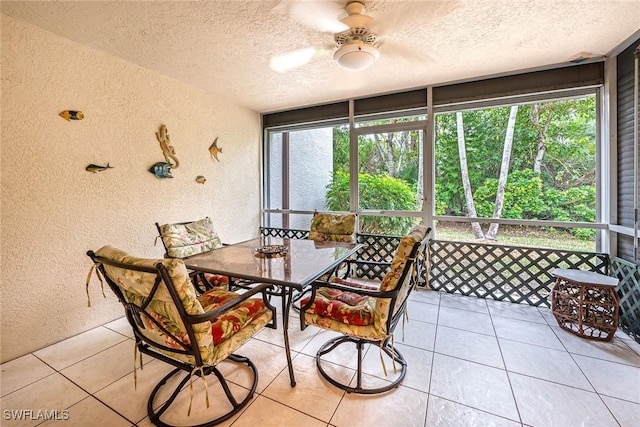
(192, 333)
(333, 227)
(329, 227)
(366, 314)
(185, 239)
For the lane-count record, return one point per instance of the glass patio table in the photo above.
(292, 270)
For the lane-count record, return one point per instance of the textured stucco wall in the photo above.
(53, 211)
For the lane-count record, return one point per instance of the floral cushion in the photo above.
(342, 306)
(217, 280)
(333, 228)
(183, 240)
(358, 315)
(233, 320)
(216, 340)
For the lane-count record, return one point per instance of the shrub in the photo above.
(380, 192)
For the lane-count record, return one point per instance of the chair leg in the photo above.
(391, 351)
(156, 414)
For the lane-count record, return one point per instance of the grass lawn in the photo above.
(517, 236)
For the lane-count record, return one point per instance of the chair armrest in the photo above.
(211, 315)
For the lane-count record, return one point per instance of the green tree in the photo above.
(379, 191)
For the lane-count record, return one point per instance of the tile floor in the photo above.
(472, 362)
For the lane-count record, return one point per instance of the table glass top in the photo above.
(303, 262)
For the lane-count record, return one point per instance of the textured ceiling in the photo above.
(224, 47)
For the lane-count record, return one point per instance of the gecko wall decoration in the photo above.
(167, 149)
(163, 169)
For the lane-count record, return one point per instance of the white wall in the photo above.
(53, 211)
(310, 167)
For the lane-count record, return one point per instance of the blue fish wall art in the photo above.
(161, 170)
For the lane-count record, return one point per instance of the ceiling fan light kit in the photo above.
(356, 56)
(356, 46)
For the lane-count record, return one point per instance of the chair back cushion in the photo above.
(183, 240)
(136, 287)
(333, 227)
(399, 277)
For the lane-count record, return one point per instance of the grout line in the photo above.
(504, 362)
(586, 376)
(433, 355)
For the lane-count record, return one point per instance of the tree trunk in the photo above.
(542, 135)
(464, 172)
(504, 172)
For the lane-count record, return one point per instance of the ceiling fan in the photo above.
(356, 37)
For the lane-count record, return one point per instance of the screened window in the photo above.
(300, 172)
(533, 161)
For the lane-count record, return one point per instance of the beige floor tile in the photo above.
(616, 350)
(426, 295)
(422, 312)
(89, 412)
(418, 367)
(102, 369)
(400, 407)
(21, 372)
(474, 385)
(311, 395)
(545, 404)
(345, 354)
(600, 373)
(526, 332)
(470, 346)
(270, 360)
(79, 347)
(129, 397)
(297, 338)
(121, 326)
(525, 312)
(416, 334)
(466, 320)
(52, 393)
(268, 413)
(544, 363)
(445, 413)
(464, 303)
(465, 377)
(626, 413)
(548, 317)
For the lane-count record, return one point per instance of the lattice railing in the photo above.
(284, 232)
(629, 294)
(516, 274)
(378, 248)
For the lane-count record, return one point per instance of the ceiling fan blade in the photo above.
(296, 58)
(316, 14)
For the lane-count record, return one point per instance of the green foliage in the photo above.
(522, 197)
(564, 190)
(376, 192)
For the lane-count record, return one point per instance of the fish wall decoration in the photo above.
(161, 170)
(97, 168)
(201, 179)
(214, 149)
(69, 115)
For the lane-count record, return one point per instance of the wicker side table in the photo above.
(585, 303)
